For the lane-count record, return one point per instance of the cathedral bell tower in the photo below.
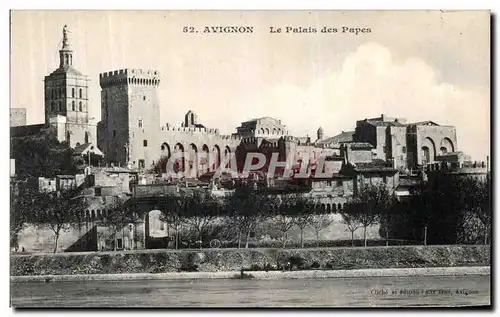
(67, 99)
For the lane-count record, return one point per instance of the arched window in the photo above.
(72, 92)
(80, 93)
(80, 106)
(73, 105)
(426, 154)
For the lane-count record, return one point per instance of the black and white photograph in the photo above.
(250, 158)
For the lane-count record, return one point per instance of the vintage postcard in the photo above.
(250, 159)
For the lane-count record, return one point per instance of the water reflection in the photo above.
(339, 292)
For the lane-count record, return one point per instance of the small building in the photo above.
(357, 152)
(47, 185)
(406, 185)
(89, 152)
(64, 182)
(452, 160)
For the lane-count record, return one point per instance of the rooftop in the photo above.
(375, 166)
(428, 122)
(409, 182)
(385, 123)
(65, 176)
(67, 70)
(360, 145)
(344, 136)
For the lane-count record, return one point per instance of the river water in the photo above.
(339, 292)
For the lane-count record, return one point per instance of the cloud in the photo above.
(370, 82)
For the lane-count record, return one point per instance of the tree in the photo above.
(42, 156)
(59, 211)
(388, 208)
(202, 210)
(285, 208)
(161, 165)
(306, 208)
(22, 203)
(474, 197)
(483, 208)
(438, 205)
(423, 204)
(368, 206)
(319, 222)
(246, 208)
(174, 215)
(121, 212)
(351, 219)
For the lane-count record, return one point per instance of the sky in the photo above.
(419, 65)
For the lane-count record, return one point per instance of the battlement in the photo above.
(189, 129)
(168, 127)
(250, 140)
(130, 76)
(290, 138)
(468, 167)
(231, 137)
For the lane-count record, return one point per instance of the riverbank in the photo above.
(261, 275)
(233, 260)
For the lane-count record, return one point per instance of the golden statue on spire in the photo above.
(65, 36)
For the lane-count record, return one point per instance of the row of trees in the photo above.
(444, 210)
(58, 211)
(449, 210)
(241, 213)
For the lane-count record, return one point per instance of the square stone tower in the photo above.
(130, 117)
(66, 95)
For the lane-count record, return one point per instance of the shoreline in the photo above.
(261, 275)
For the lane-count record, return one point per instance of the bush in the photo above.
(315, 265)
(254, 260)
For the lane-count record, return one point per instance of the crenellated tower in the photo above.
(130, 117)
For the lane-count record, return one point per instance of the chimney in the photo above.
(382, 116)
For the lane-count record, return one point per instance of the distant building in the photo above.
(130, 132)
(406, 145)
(60, 182)
(457, 164)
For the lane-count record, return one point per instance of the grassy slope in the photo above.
(159, 261)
